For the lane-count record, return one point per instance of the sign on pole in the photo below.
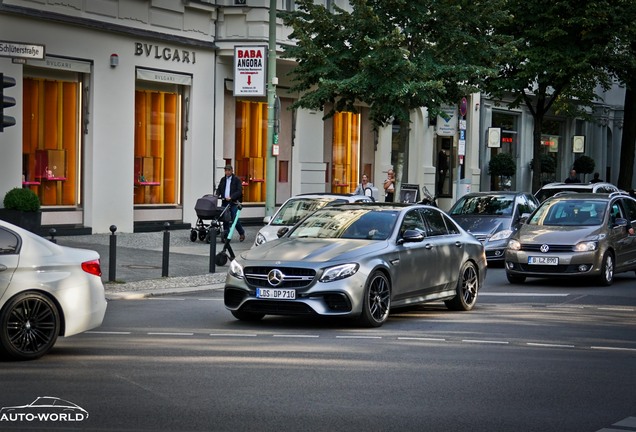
(250, 73)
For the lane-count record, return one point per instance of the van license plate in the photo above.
(543, 260)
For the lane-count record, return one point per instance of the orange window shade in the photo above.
(251, 148)
(345, 152)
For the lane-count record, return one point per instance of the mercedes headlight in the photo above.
(339, 272)
(236, 269)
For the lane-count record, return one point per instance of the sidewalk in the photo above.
(139, 261)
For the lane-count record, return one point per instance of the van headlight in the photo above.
(501, 235)
(514, 245)
(586, 246)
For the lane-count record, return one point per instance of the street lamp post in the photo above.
(272, 136)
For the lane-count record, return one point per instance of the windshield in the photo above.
(489, 205)
(570, 213)
(296, 209)
(370, 224)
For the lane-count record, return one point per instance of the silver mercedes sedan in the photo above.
(359, 260)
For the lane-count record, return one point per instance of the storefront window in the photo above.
(508, 144)
(157, 147)
(251, 148)
(51, 140)
(345, 152)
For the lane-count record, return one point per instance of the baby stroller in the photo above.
(207, 209)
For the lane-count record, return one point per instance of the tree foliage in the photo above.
(392, 55)
(563, 49)
(502, 164)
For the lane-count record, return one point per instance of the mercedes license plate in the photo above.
(272, 293)
(543, 260)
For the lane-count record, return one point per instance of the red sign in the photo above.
(463, 107)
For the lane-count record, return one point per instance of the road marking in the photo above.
(422, 339)
(358, 337)
(295, 336)
(513, 294)
(547, 345)
(612, 348)
(485, 341)
(109, 332)
(616, 309)
(170, 334)
(166, 298)
(232, 335)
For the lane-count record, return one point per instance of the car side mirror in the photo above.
(281, 232)
(412, 236)
(523, 218)
(620, 222)
(267, 220)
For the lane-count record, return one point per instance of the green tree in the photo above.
(392, 55)
(562, 52)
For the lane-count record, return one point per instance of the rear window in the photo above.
(544, 194)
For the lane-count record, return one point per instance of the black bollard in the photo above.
(52, 232)
(166, 250)
(112, 258)
(212, 238)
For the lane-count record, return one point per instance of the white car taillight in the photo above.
(92, 267)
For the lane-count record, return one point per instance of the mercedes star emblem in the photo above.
(275, 277)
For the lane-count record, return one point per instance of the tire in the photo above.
(376, 303)
(514, 279)
(29, 326)
(467, 289)
(193, 236)
(220, 259)
(202, 235)
(247, 316)
(606, 278)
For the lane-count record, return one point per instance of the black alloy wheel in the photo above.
(376, 304)
(30, 324)
(467, 289)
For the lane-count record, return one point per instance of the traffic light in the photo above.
(7, 101)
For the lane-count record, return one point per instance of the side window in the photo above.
(412, 221)
(9, 242)
(531, 204)
(451, 225)
(630, 208)
(435, 222)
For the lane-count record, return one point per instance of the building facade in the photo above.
(132, 114)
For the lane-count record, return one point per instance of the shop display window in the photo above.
(251, 148)
(345, 152)
(157, 147)
(51, 140)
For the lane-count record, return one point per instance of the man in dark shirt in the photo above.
(230, 190)
(573, 178)
(596, 178)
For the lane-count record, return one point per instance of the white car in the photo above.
(552, 189)
(46, 291)
(299, 206)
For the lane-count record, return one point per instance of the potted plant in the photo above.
(503, 166)
(22, 208)
(584, 165)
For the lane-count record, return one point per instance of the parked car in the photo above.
(46, 291)
(492, 217)
(359, 260)
(575, 235)
(299, 206)
(552, 189)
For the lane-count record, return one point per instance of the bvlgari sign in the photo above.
(249, 70)
(165, 53)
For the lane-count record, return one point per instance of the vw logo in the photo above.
(275, 277)
(544, 248)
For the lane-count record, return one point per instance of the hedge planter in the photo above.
(29, 220)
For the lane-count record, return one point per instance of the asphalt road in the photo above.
(534, 357)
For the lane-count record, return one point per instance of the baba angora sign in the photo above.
(250, 70)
